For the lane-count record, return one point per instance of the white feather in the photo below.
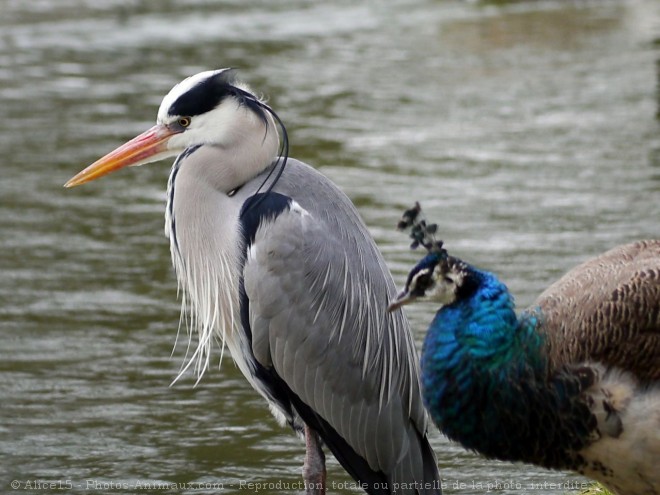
(625, 460)
(231, 146)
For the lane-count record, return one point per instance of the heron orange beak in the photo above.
(149, 146)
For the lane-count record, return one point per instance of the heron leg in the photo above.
(314, 467)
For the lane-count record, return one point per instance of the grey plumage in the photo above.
(317, 293)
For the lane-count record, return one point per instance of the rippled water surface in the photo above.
(528, 130)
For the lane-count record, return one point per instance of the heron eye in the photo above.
(184, 121)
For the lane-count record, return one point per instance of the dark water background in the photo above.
(527, 130)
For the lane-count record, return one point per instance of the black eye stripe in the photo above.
(421, 282)
(203, 97)
(209, 93)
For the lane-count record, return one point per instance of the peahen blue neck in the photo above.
(487, 384)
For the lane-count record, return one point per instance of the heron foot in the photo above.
(314, 472)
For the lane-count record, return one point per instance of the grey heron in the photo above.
(274, 260)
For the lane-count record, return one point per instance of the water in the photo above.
(527, 131)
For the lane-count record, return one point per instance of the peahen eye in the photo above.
(423, 280)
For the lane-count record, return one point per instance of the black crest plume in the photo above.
(421, 232)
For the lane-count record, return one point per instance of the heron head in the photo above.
(209, 108)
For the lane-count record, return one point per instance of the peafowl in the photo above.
(572, 383)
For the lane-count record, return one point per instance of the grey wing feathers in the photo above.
(317, 313)
(608, 310)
